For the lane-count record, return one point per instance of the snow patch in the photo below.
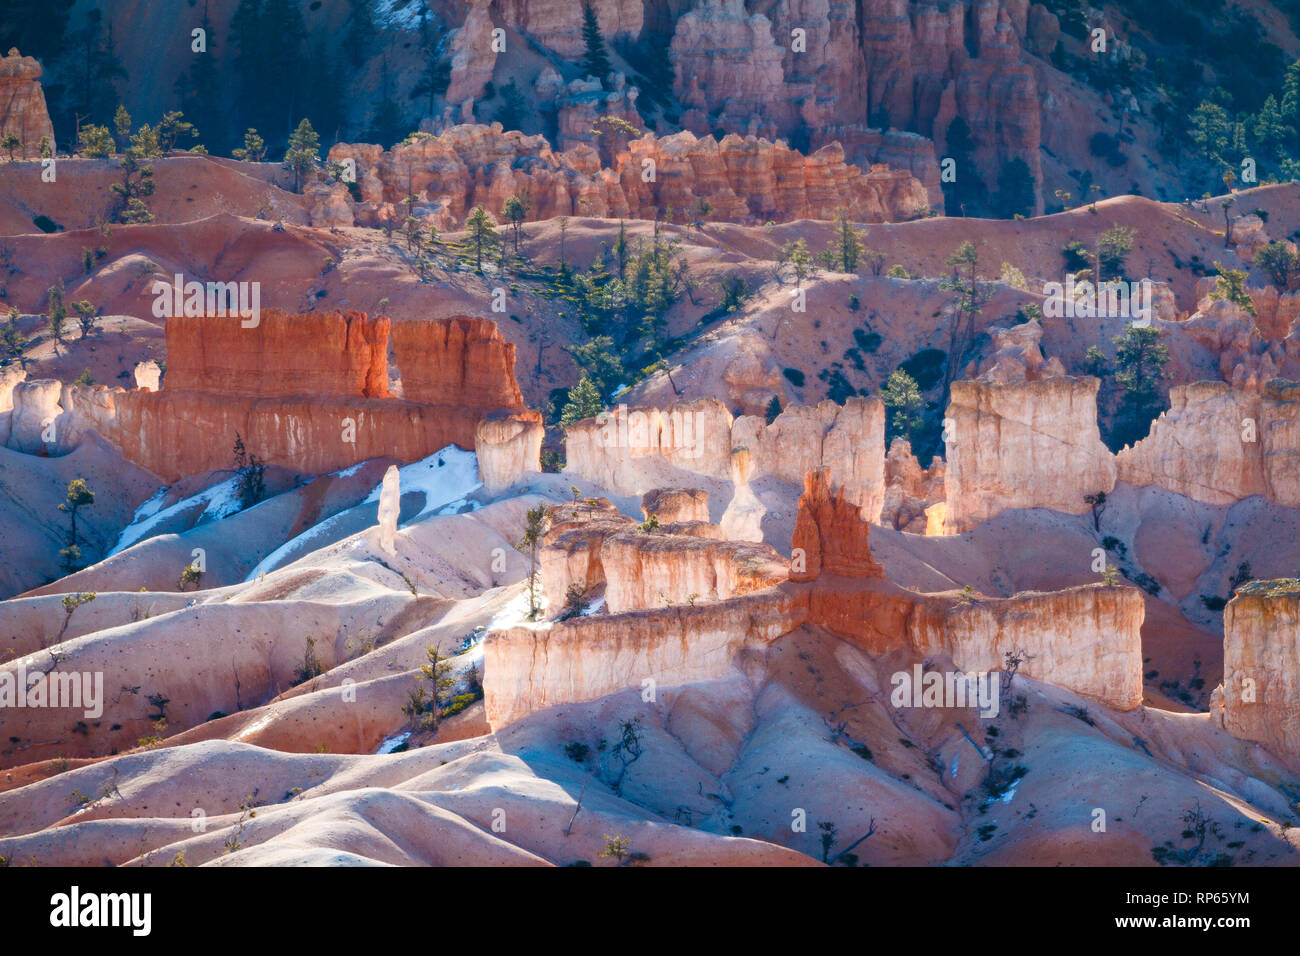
(219, 501)
(393, 742)
(446, 478)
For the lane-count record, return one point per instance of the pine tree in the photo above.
(1140, 360)
(482, 233)
(902, 399)
(773, 409)
(303, 153)
(849, 246)
(122, 127)
(596, 59)
(534, 530)
(584, 402)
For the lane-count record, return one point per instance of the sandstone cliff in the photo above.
(320, 353)
(1261, 665)
(308, 392)
(747, 180)
(22, 104)
(848, 439)
(508, 445)
(1031, 445)
(613, 450)
(526, 670)
(1219, 444)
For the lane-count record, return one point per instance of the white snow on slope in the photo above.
(446, 478)
(219, 501)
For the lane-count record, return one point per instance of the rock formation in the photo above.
(472, 56)
(586, 658)
(1261, 665)
(509, 446)
(675, 504)
(617, 449)
(1087, 639)
(884, 61)
(1219, 444)
(308, 392)
(1031, 445)
(558, 26)
(848, 439)
(22, 104)
(321, 353)
(570, 555)
(743, 519)
(645, 570)
(910, 490)
(148, 376)
(747, 179)
(830, 533)
(390, 503)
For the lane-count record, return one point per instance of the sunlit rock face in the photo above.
(1026, 445)
(1260, 696)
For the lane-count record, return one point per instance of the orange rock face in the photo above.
(22, 104)
(744, 179)
(831, 533)
(310, 393)
(179, 433)
(461, 361)
(320, 353)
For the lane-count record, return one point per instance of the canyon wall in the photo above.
(848, 439)
(1261, 665)
(745, 180)
(1026, 445)
(1218, 444)
(307, 392)
(586, 658)
(1086, 639)
(22, 104)
(617, 450)
(320, 353)
(869, 64)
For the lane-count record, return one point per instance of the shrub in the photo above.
(46, 224)
(795, 376)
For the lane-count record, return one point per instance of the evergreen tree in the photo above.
(971, 296)
(303, 152)
(254, 148)
(966, 195)
(599, 359)
(596, 59)
(482, 234)
(583, 402)
(903, 402)
(1112, 248)
(1015, 189)
(121, 127)
(773, 409)
(1140, 360)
